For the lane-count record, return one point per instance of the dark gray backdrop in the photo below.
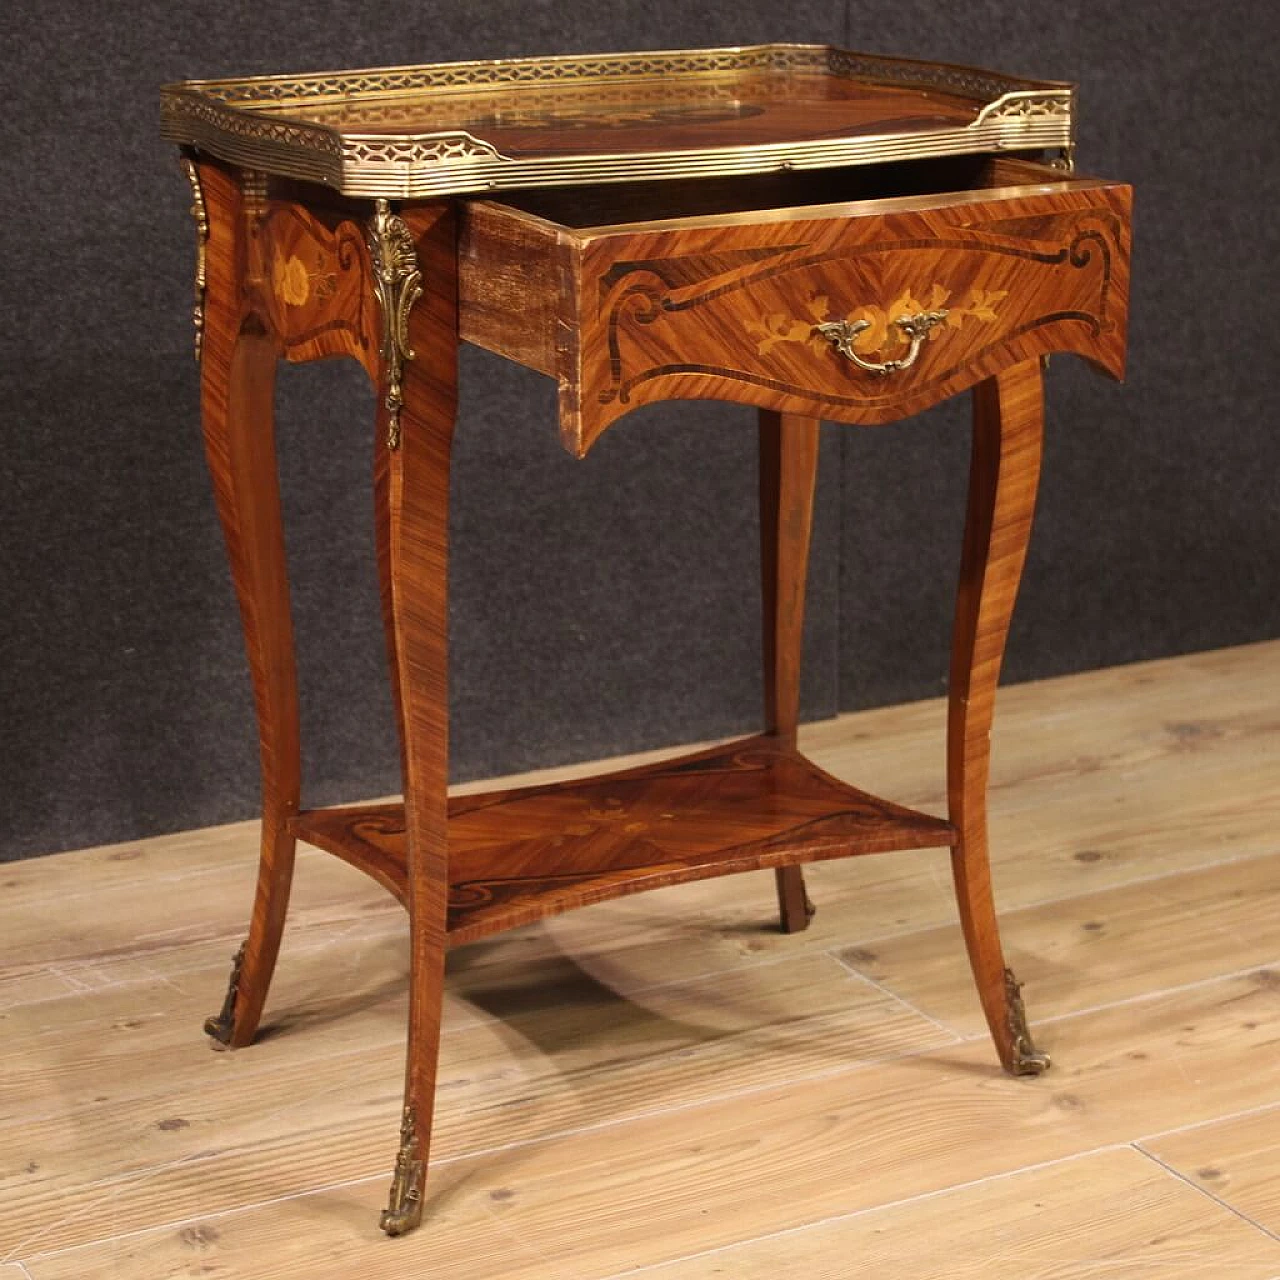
(610, 604)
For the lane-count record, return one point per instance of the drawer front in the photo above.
(862, 319)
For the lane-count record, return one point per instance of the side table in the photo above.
(813, 232)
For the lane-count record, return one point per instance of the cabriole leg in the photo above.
(417, 520)
(382, 546)
(237, 386)
(1008, 421)
(788, 472)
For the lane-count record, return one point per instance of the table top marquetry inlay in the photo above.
(452, 128)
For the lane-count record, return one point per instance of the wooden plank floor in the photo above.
(667, 1086)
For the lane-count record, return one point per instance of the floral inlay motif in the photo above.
(882, 334)
(293, 282)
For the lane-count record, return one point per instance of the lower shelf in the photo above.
(517, 856)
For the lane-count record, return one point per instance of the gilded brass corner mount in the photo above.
(201, 216)
(398, 284)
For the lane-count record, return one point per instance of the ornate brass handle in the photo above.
(916, 328)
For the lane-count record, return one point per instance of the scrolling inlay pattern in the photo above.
(808, 287)
(517, 856)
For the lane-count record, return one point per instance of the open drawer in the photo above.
(856, 295)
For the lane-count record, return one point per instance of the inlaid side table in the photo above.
(816, 233)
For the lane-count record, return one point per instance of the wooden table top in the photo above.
(449, 128)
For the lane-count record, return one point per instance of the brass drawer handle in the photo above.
(915, 327)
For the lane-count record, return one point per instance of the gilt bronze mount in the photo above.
(398, 284)
(404, 1205)
(1027, 1059)
(201, 216)
(223, 1024)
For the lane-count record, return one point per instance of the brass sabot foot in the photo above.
(404, 1207)
(221, 1027)
(1025, 1059)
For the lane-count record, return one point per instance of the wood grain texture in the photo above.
(291, 278)
(680, 321)
(590, 1056)
(564, 1035)
(662, 109)
(1237, 1161)
(991, 1126)
(935, 1120)
(1097, 948)
(556, 1027)
(1008, 430)
(1110, 1213)
(1097, 780)
(518, 856)
(788, 475)
(313, 279)
(237, 386)
(448, 128)
(381, 474)
(509, 283)
(725, 307)
(419, 538)
(70, 1054)
(1019, 270)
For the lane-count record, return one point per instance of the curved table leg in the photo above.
(237, 387)
(382, 547)
(788, 472)
(418, 522)
(1007, 436)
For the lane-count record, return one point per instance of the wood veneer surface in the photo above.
(674, 114)
(517, 856)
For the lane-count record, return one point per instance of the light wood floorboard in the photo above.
(666, 1083)
(596, 1201)
(1109, 1213)
(1236, 1161)
(1097, 948)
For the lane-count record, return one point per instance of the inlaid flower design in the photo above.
(293, 282)
(882, 334)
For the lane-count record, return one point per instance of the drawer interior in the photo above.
(629, 203)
